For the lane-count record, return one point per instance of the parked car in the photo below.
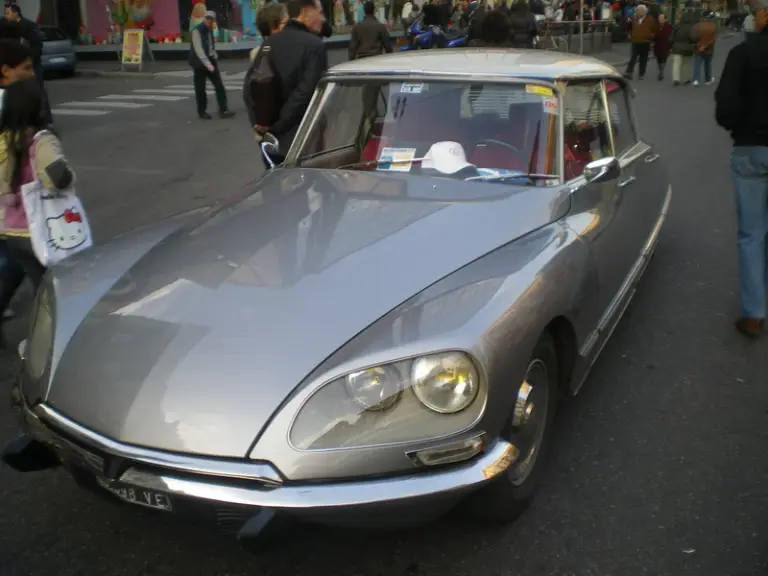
(58, 55)
(381, 327)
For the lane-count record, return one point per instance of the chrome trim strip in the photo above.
(454, 480)
(629, 282)
(45, 415)
(337, 494)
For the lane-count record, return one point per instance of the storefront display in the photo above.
(171, 20)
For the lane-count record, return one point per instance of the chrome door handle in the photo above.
(651, 158)
(627, 182)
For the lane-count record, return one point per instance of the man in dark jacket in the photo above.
(369, 36)
(205, 66)
(299, 59)
(475, 12)
(32, 37)
(524, 25)
(740, 108)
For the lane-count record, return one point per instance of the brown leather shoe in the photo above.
(751, 327)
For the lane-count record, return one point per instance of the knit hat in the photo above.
(210, 14)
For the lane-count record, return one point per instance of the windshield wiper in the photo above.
(378, 163)
(518, 175)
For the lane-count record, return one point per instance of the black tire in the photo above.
(503, 500)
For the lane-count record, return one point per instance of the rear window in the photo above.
(52, 34)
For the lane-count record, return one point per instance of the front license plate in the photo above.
(140, 496)
(58, 60)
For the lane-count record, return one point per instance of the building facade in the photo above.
(100, 21)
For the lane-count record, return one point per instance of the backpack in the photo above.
(262, 92)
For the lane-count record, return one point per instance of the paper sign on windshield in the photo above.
(407, 88)
(396, 159)
(550, 105)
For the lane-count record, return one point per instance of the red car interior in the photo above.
(424, 119)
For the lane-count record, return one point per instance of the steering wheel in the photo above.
(520, 154)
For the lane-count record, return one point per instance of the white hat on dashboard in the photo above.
(446, 157)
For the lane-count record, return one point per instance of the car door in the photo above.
(598, 213)
(644, 178)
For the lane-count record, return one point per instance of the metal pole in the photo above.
(581, 26)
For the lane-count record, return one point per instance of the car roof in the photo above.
(502, 62)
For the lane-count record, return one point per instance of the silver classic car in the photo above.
(375, 331)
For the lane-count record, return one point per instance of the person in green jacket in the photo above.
(683, 46)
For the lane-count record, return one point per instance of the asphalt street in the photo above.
(658, 467)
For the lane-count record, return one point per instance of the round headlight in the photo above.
(375, 389)
(445, 383)
(40, 336)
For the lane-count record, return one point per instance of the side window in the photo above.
(624, 136)
(586, 127)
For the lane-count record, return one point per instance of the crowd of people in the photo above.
(691, 43)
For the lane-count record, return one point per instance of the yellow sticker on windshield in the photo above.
(540, 90)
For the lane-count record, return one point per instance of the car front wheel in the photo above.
(529, 428)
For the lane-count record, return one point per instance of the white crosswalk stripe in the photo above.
(188, 74)
(189, 87)
(78, 112)
(180, 91)
(186, 90)
(159, 97)
(98, 104)
(137, 99)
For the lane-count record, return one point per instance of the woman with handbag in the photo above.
(27, 153)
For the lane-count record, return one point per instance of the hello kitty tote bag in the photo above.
(58, 226)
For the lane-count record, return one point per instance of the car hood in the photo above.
(204, 336)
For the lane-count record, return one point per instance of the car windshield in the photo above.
(469, 131)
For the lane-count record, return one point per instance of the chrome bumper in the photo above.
(244, 483)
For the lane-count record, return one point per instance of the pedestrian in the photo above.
(661, 43)
(705, 34)
(476, 12)
(15, 64)
(495, 30)
(641, 33)
(22, 160)
(740, 108)
(524, 26)
(749, 24)
(270, 20)
(683, 47)
(299, 59)
(369, 37)
(31, 35)
(205, 66)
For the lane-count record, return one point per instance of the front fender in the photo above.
(495, 307)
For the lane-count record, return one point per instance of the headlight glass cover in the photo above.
(410, 400)
(40, 335)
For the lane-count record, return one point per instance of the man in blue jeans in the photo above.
(742, 108)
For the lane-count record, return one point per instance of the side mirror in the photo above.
(269, 148)
(603, 170)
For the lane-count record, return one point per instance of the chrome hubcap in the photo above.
(529, 419)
